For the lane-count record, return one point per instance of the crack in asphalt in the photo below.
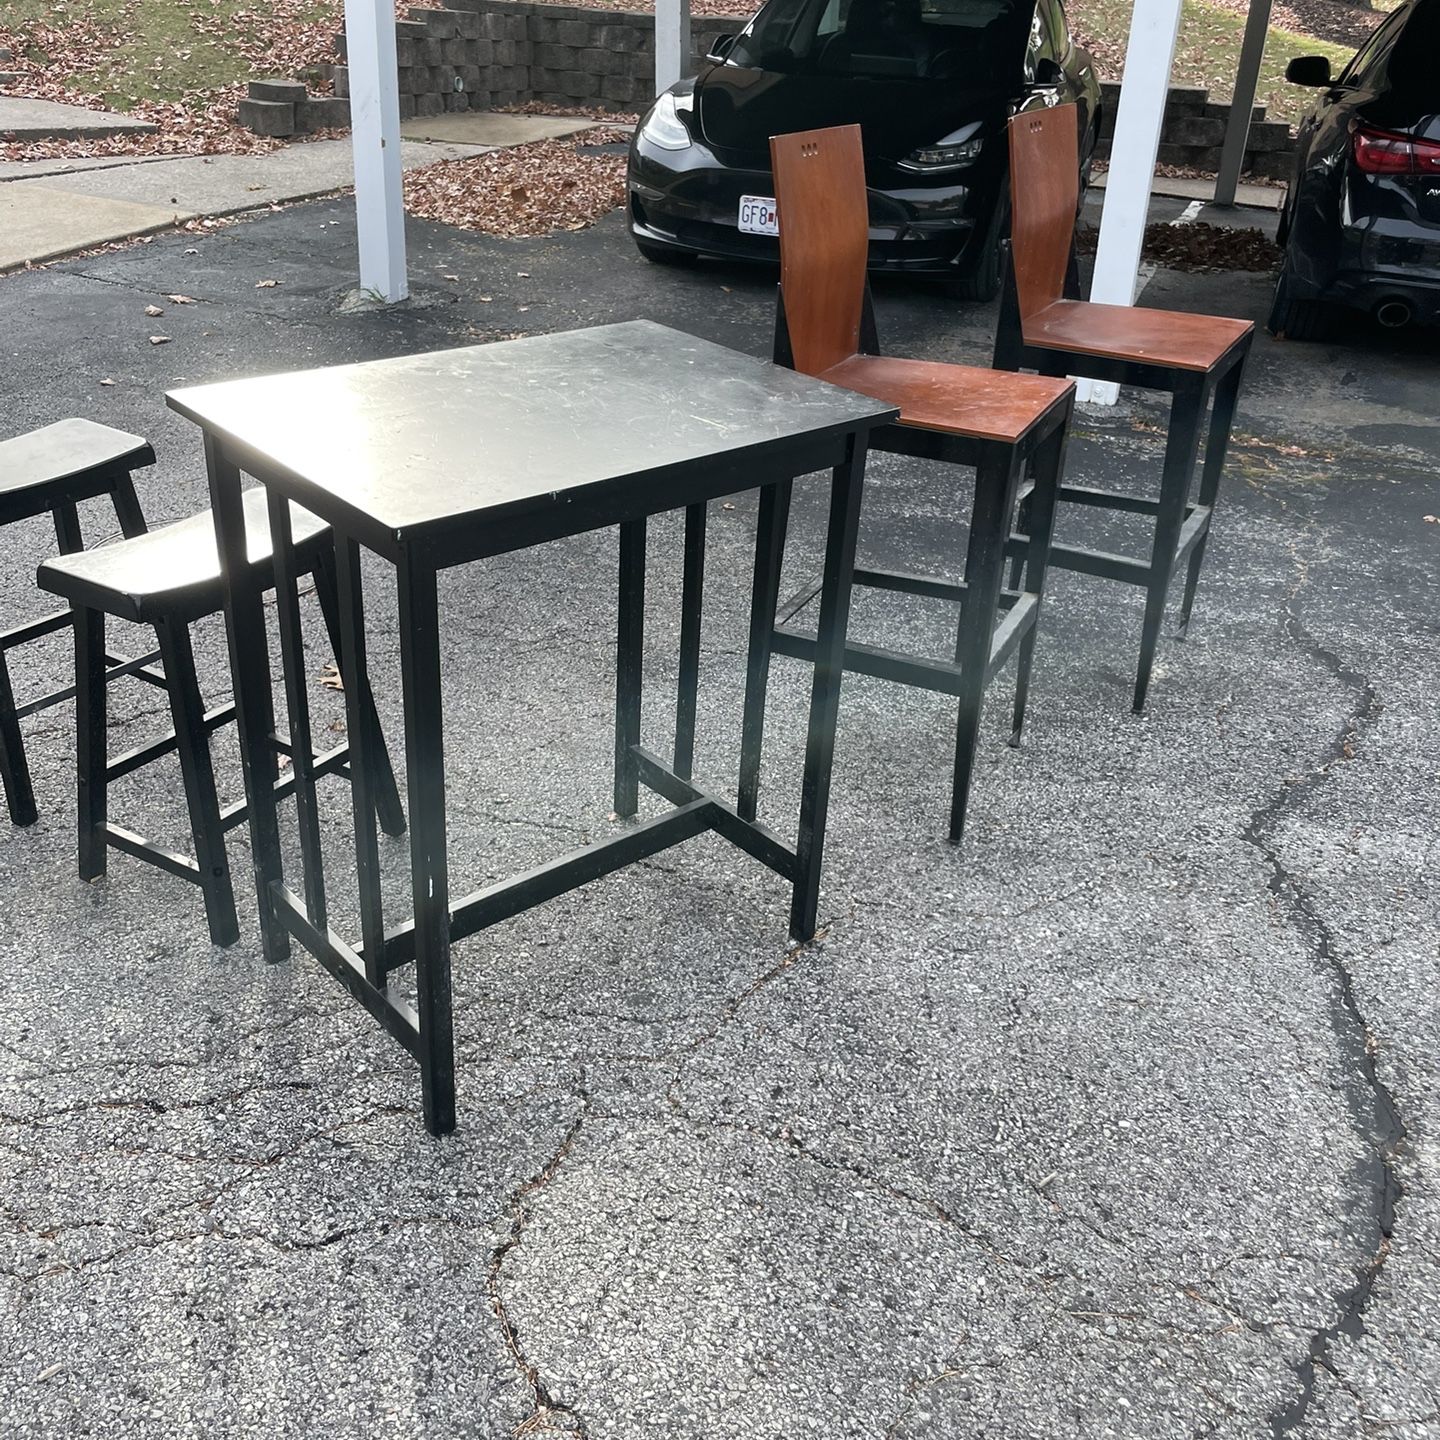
(1372, 1104)
(547, 1414)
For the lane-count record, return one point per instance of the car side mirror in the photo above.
(1048, 73)
(721, 47)
(1312, 70)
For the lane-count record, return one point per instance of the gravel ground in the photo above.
(1118, 1122)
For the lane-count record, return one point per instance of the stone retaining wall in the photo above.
(477, 54)
(1194, 134)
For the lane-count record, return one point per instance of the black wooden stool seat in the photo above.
(52, 470)
(68, 461)
(172, 573)
(168, 579)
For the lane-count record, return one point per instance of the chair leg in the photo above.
(92, 759)
(14, 769)
(1041, 502)
(187, 713)
(1186, 413)
(388, 809)
(127, 507)
(1217, 445)
(996, 480)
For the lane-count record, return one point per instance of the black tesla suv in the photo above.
(1361, 224)
(931, 83)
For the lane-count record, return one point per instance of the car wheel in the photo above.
(982, 284)
(1294, 318)
(663, 254)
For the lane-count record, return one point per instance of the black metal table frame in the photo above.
(426, 1030)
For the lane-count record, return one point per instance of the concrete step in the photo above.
(24, 119)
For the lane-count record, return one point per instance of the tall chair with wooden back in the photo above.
(1003, 425)
(1198, 359)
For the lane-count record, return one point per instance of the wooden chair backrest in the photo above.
(824, 241)
(1044, 197)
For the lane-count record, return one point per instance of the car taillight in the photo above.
(1377, 152)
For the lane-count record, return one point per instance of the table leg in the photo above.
(773, 520)
(629, 666)
(429, 875)
(692, 594)
(297, 705)
(350, 656)
(834, 619)
(250, 679)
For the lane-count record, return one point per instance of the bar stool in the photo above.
(168, 579)
(1002, 425)
(1198, 359)
(53, 469)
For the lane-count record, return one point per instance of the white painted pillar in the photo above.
(375, 145)
(672, 42)
(1247, 80)
(1154, 27)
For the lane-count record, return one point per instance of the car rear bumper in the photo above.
(688, 200)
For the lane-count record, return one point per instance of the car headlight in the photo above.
(944, 157)
(664, 127)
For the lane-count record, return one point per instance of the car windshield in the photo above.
(920, 39)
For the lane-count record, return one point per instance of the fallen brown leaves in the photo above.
(1199, 247)
(532, 189)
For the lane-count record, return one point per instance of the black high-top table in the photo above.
(437, 460)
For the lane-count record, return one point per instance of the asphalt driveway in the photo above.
(1119, 1121)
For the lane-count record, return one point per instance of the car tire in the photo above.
(1295, 318)
(983, 282)
(664, 255)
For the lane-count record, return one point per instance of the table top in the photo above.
(406, 449)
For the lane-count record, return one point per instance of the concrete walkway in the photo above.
(53, 208)
(22, 118)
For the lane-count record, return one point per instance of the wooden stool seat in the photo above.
(61, 463)
(954, 399)
(172, 573)
(1171, 338)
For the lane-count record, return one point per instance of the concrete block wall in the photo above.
(478, 54)
(1194, 134)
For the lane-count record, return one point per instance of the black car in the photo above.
(1361, 224)
(931, 84)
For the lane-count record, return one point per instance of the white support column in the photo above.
(672, 42)
(375, 144)
(1154, 28)
(1247, 79)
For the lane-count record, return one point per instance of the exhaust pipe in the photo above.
(1394, 314)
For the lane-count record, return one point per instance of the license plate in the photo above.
(758, 215)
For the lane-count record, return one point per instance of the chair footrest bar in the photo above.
(136, 759)
(942, 676)
(392, 1014)
(137, 846)
(118, 665)
(1088, 562)
(790, 608)
(754, 838)
(483, 908)
(34, 629)
(907, 584)
(1109, 500)
(1010, 631)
